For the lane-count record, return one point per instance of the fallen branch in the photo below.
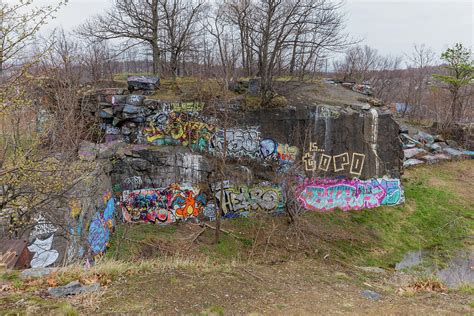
(254, 275)
(222, 230)
(199, 233)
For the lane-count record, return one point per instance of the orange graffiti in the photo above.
(188, 207)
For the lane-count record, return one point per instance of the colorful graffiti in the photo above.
(163, 206)
(355, 194)
(99, 230)
(248, 143)
(168, 127)
(238, 142)
(240, 201)
(354, 163)
(43, 254)
(176, 129)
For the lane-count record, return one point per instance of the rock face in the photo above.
(168, 158)
(336, 141)
(159, 167)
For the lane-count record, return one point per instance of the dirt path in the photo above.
(298, 288)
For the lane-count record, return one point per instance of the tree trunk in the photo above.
(156, 58)
(454, 106)
(174, 65)
(154, 43)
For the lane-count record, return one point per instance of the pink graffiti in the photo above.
(330, 194)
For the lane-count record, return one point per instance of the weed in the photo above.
(214, 310)
(66, 309)
(466, 289)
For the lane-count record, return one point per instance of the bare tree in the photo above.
(19, 23)
(239, 13)
(179, 24)
(358, 63)
(415, 82)
(137, 21)
(274, 24)
(219, 29)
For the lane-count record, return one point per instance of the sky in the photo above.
(390, 26)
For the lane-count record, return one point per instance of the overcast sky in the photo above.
(391, 26)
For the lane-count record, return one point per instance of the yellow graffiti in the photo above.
(340, 162)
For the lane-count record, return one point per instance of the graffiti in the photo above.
(133, 183)
(117, 188)
(338, 163)
(330, 194)
(210, 212)
(107, 196)
(187, 106)
(268, 148)
(43, 254)
(313, 147)
(176, 129)
(75, 206)
(240, 201)
(287, 154)
(111, 130)
(163, 206)
(325, 113)
(42, 227)
(100, 227)
(191, 165)
(239, 142)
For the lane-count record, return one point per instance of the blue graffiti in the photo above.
(99, 229)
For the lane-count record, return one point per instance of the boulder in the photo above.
(442, 156)
(106, 113)
(143, 83)
(36, 273)
(412, 162)
(434, 147)
(453, 152)
(411, 259)
(254, 87)
(424, 138)
(72, 288)
(403, 129)
(108, 150)
(414, 152)
(134, 99)
(119, 100)
(88, 151)
(430, 159)
(371, 295)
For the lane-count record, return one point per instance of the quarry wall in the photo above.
(162, 162)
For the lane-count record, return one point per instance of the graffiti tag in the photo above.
(327, 195)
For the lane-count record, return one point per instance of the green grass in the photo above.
(467, 289)
(227, 249)
(130, 247)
